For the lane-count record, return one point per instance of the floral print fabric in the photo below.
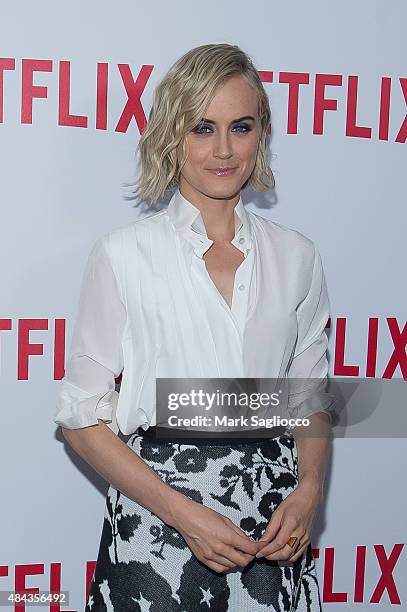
(145, 565)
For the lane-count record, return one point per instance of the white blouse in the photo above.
(148, 308)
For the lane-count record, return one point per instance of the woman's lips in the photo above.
(225, 172)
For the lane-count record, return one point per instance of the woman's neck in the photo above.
(218, 214)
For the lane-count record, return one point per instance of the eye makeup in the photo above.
(242, 127)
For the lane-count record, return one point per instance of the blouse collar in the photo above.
(187, 219)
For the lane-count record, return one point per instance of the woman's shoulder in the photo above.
(124, 235)
(283, 236)
(149, 219)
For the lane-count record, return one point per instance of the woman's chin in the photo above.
(226, 189)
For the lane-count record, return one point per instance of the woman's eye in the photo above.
(199, 129)
(242, 128)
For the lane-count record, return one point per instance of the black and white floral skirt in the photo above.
(145, 565)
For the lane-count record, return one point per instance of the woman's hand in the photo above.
(213, 538)
(292, 517)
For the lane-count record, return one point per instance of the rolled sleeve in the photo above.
(95, 358)
(308, 371)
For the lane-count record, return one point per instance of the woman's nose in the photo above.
(222, 146)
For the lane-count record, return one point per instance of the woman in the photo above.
(201, 289)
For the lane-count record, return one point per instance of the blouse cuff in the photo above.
(76, 412)
(319, 402)
(305, 404)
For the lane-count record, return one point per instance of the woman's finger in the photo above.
(237, 557)
(216, 567)
(289, 554)
(286, 553)
(278, 545)
(242, 542)
(300, 551)
(272, 528)
(289, 527)
(221, 560)
(299, 542)
(283, 554)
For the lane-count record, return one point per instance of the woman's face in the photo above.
(227, 137)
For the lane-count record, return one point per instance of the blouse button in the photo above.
(241, 240)
(241, 287)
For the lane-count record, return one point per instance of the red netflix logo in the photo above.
(386, 583)
(379, 562)
(27, 349)
(390, 93)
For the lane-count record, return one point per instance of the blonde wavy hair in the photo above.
(179, 103)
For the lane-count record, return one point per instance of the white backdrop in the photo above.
(61, 188)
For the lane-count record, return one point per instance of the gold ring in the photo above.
(291, 541)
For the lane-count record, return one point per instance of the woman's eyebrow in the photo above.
(245, 118)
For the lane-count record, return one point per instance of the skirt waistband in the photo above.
(179, 436)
